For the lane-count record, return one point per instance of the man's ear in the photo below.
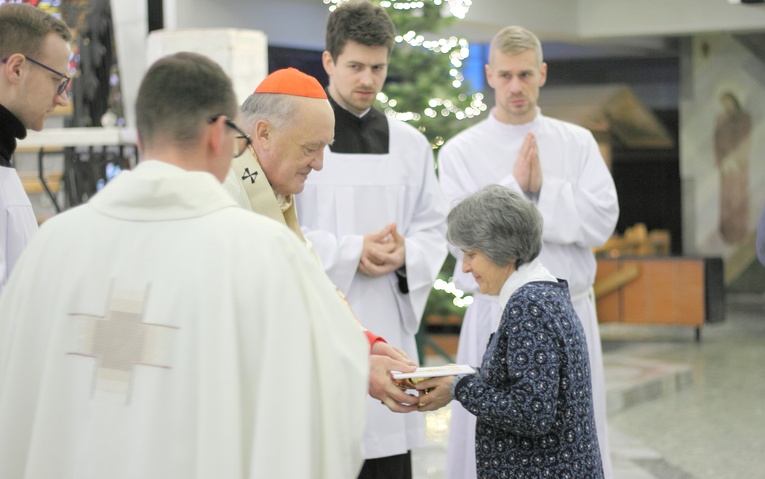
(489, 78)
(215, 135)
(263, 134)
(543, 74)
(12, 68)
(328, 63)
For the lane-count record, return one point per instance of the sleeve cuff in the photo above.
(456, 383)
(373, 338)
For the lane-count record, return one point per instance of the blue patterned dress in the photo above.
(532, 395)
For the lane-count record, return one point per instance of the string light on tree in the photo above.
(460, 299)
(458, 8)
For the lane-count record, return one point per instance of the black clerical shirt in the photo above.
(366, 135)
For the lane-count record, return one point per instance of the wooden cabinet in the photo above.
(676, 291)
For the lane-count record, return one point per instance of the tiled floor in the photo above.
(677, 409)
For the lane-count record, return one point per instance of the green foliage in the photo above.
(421, 80)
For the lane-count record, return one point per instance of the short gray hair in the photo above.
(499, 223)
(276, 108)
(515, 40)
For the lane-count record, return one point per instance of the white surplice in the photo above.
(162, 332)
(358, 194)
(17, 222)
(580, 208)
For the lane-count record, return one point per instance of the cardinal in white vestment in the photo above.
(289, 121)
(162, 332)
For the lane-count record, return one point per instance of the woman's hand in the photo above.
(434, 393)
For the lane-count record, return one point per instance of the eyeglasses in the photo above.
(242, 139)
(65, 79)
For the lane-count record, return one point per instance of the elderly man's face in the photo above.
(296, 149)
(489, 276)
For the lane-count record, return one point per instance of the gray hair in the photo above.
(499, 223)
(515, 40)
(277, 109)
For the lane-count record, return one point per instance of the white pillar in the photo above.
(130, 21)
(243, 54)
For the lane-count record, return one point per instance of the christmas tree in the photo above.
(425, 86)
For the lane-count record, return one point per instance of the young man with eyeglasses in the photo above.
(34, 51)
(200, 340)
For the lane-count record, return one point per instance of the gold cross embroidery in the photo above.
(120, 340)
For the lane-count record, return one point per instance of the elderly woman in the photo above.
(532, 394)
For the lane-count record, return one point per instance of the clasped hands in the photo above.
(528, 169)
(383, 252)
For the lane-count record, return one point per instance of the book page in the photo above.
(432, 372)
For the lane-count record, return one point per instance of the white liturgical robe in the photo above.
(162, 332)
(579, 205)
(17, 222)
(357, 194)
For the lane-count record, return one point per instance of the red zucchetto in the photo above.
(291, 81)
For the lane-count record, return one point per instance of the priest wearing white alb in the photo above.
(162, 332)
(557, 165)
